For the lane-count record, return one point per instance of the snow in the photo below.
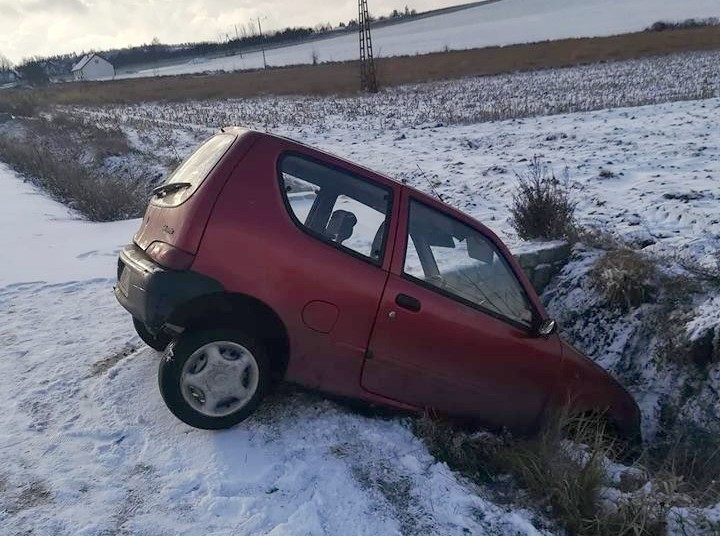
(708, 317)
(648, 174)
(88, 447)
(499, 23)
(39, 239)
(662, 162)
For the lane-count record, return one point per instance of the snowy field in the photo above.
(630, 167)
(647, 174)
(87, 445)
(501, 23)
(89, 448)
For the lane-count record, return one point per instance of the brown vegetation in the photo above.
(569, 480)
(625, 278)
(542, 207)
(65, 156)
(343, 78)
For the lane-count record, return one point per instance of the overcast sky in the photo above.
(47, 27)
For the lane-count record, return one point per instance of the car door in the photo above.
(454, 331)
(339, 218)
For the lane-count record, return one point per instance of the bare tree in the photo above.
(5, 63)
(252, 29)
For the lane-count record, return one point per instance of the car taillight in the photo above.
(169, 256)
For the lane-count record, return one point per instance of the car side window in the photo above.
(336, 206)
(457, 260)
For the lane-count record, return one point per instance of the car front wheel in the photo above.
(213, 379)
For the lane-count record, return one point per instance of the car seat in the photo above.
(341, 225)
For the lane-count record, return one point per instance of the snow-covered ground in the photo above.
(649, 173)
(500, 23)
(88, 448)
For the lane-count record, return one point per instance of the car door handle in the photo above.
(408, 302)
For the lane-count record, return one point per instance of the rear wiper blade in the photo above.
(165, 189)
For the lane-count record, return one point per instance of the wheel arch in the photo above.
(235, 310)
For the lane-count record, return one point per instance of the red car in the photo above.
(262, 259)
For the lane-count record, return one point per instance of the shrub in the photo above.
(65, 155)
(68, 180)
(542, 207)
(560, 477)
(625, 279)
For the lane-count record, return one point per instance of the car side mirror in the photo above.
(547, 328)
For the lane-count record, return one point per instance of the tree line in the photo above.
(38, 70)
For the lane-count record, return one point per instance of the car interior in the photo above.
(329, 188)
(457, 259)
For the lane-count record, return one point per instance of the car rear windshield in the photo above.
(192, 172)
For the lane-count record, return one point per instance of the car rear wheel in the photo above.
(156, 342)
(213, 379)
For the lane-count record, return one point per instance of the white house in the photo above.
(93, 67)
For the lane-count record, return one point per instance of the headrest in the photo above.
(340, 227)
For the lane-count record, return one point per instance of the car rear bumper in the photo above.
(151, 293)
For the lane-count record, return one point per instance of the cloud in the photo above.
(24, 7)
(8, 10)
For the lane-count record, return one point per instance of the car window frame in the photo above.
(319, 236)
(531, 328)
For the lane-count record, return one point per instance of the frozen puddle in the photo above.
(88, 447)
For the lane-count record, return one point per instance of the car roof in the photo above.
(291, 143)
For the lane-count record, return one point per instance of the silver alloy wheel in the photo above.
(219, 378)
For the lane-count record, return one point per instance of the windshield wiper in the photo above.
(165, 189)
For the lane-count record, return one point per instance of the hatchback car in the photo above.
(262, 259)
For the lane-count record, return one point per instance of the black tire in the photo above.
(178, 353)
(156, 342)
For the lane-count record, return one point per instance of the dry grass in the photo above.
(31, 495)
(343, 78)
(690, 458)
(102, 140)
(570, 480)
(598, 238)
(542, 207)
(19, 103)
(65, 157)
(708, 273)
(625, 278)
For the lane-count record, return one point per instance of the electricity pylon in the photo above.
(368, 78)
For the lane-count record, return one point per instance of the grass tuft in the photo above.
(625, 278)
(565, 471)
(542, 207)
